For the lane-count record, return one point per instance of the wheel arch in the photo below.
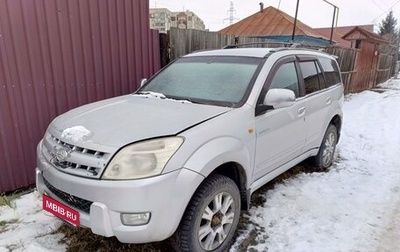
(237, 173)
(337, 122)
(227, 156)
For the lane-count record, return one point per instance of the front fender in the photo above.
(217, 152)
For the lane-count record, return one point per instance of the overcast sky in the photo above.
(315, 13)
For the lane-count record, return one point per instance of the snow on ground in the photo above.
(353, 207)
(356, 205)
(25, 227)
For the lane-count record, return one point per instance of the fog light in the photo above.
(135, 219)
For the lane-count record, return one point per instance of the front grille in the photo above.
(74, 159)
(81, 204)
(77, 148)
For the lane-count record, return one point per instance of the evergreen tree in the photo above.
(388, 25)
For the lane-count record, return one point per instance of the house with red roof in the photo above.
(339, 32)
(273, 24)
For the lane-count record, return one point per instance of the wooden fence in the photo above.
(385, 67)
(181, 42)
(346, 58)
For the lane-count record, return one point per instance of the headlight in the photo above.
(141, 160)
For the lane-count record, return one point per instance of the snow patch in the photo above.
(391, 84)
(149, 94)
(76, 133)
(28, 228)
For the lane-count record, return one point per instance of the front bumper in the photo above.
(165, 197)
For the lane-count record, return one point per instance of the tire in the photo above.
(325, 156)
(211, 217)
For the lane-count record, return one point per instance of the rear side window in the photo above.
(331, 70)
(310, 76)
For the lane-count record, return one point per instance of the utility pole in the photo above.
(295, 20)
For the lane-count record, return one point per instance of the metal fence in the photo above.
(57, 55)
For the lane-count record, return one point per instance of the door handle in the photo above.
(328, 100)
(301, 112)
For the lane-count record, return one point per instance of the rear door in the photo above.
(318, 100)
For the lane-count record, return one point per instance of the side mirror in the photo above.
(142, 82)
(279, 98)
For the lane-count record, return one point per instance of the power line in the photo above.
(378, 5)
(391, 7)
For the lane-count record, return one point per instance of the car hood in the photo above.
(119, 121)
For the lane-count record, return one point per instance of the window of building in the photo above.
(358, 43)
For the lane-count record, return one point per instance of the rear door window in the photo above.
(331, 71)
(310, 76)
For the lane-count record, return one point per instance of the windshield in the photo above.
(224, 81)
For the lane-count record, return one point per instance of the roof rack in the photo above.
(285, 44)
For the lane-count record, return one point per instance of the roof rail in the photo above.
(284, 44)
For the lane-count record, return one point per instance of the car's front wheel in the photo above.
(211, 218)
(325, 156)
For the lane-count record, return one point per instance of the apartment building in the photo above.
(163, 19)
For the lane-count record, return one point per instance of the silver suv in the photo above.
(182, 155)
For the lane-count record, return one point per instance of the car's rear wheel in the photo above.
(325, 156)
(211, 217)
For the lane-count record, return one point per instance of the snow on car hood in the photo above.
(122, 120)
